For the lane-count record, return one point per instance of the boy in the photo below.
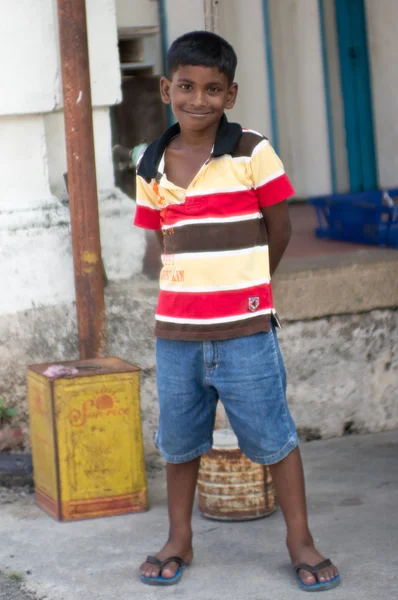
(217, 196)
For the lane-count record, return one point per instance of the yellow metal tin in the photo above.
(86, 440)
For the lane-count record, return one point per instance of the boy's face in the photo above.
(198, 96)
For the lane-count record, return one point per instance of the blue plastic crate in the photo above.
(362, 218)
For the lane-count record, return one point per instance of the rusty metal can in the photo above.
(230, 486)
(88, 456)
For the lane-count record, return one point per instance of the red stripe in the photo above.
(275, 191)
(229, 204)
(147, 217)
(212, 305)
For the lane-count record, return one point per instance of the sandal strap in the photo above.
(314, 570)
(154, 561)
(174, 559)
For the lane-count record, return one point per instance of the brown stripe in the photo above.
(213, 237)
(247, 143)
(220, 331)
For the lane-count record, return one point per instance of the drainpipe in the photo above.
(82, 184)
(165, 46)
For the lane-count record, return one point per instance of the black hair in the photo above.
(202, 49)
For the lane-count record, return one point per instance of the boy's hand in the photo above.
(159, 236)
(279, 230)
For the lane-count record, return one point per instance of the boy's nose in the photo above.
(199, 100)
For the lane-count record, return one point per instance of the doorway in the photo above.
(356, 92)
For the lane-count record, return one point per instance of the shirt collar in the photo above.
(227, 138)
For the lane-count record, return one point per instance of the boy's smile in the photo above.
(198, 96)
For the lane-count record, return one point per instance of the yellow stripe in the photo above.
(145, 195)
(266, 164)
(222, 174)
(218, 271)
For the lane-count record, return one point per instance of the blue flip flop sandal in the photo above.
(319, 586)
(160, 580)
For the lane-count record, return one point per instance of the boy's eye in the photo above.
(185, 86)
(214, 90)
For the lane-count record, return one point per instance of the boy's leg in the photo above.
(181, 485)
(187, 413)
(288, 479)
(252, 384)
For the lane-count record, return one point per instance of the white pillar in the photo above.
(35, 244)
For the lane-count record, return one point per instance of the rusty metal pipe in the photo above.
(212, 19)
(82, 184)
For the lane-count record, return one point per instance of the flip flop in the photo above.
(160, 580)
(319, 586)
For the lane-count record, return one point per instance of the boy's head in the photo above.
(200, 79)
(202, 49)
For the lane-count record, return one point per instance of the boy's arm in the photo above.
(277, 221)
(159, 236)
(272, 187)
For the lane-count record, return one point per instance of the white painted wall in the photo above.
(30, 78)
(137, 13)
(35, 258)
(300, 94)
(183, 16)
(23, 163)
(103, 51)
(244, 29)
(35, 246)
(382, 20)
(56, 148)
(29, 70)
(336, 98)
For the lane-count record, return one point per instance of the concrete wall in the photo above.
(300, 94)
(342, 370)
(382, 19)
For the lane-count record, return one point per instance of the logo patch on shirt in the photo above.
(253, 303)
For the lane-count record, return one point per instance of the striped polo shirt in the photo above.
(215, 282)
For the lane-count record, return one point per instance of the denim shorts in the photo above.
(249, 377)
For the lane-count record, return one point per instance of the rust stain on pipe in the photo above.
(82, 184)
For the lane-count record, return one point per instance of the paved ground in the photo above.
(353, 498)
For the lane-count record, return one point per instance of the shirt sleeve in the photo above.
(147, 214)
(271, 183)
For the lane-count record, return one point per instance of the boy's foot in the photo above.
(307, 553)
(177, 548)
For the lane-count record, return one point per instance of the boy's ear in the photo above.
(165, 90)
(231, 95)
